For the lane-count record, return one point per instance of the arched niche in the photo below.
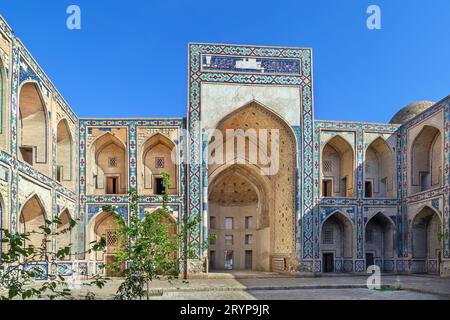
(338, 164)
(108, 170)
(64, 152)
(157, 158)
(379, 170)
(64, 232)
(270, 161)
(379, 238)
(425, 243)
(33, 126)
(336, 242)
(239, 218)
(32, 217)
(426, 160)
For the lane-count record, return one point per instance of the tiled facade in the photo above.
(278, 78)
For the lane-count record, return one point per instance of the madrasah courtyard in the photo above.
(323, 198)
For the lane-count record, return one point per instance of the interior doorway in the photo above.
(159, 186)
(112, 185)
(370, 260)
(328, 262)
(248, 259)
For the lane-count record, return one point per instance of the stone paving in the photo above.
(272, 286)
(299, 294)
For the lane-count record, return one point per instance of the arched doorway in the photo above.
(379, 241)
(426, 160)
(337, 243)
(32, 216)
(104, 225)
(426, 246)
(64, 232)
(378, 170)
(255, 229)
(156, 159)
(32, 137)
(337, 168)
(108, 166)
(238, 218)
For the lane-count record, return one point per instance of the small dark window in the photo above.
(425, 181)
(112, 162)
(212, 222)
(327, 166)
(27, 154)
(368, 189)
(159, 162)
(328, 236)
(248, 239)
(248, 222)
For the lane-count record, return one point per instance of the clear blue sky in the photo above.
(130, 57)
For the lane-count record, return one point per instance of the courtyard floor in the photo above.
(264, 286)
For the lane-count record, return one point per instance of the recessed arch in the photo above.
(430, 210)
(338, 166)
(426, 160)
(64, 151)
(379, 170)
(104, 225)
(105, 140)
(426, 246)
(382, 216)
(379, 239)
(108, 161)
(157, 156)
(259, 190)
(336, 242)
(257, 167)
(33, 125)
(32, 217)
(64, 232)
(237, 196)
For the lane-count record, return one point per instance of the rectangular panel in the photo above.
(251, 65)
